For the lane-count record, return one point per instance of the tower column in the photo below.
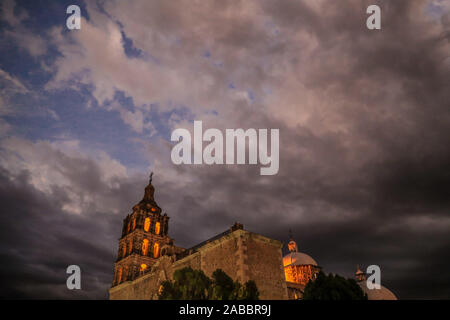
(135, 255)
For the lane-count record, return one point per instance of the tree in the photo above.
(333, 287)
(223, 286)
(190, 284)
(250, 291)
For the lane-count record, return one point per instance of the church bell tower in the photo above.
(144, 232)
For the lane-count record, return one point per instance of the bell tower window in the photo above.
(147, 224)
(125, 276)
(119, 276)
(130, 246)
(145, 247)
(156, 250)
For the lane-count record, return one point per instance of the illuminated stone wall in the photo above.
(265, 266)
(143, 288)
(241, 254)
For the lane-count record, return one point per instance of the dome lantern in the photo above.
(292, 245)
(359, 274)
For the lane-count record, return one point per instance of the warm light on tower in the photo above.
(147, 224)
(145, 247)
(156, 250)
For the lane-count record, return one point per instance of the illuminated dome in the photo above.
(299, 269)
(373, 294)
(377, 294)
(297, 259)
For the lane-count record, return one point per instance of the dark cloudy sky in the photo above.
(364, 120)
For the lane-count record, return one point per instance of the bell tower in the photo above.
(144, 232)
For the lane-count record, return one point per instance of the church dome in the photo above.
(373, 294)
(377, 294)
(298, 258)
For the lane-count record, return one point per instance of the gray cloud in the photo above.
(364, 155)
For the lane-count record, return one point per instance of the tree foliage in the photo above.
(190, 284)
(333, 287)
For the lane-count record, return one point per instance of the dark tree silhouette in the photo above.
(190, 284)
(333, 287)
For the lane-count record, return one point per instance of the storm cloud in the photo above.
(364, 120)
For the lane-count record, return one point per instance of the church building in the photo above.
(147, 256)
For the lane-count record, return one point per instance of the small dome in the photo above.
(298, 258)
(377, 294)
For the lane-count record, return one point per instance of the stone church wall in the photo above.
(265, 267)
(241, 254)
(143, 288)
